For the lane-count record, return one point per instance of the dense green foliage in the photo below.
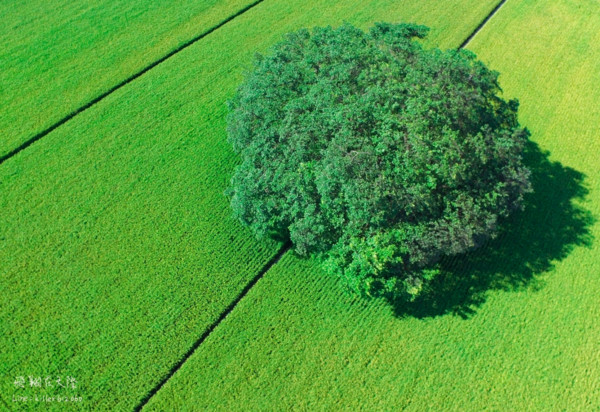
(530, 297)
(117, 247)
(374, 152)
(56, 56)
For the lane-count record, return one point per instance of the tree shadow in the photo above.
(528, 244)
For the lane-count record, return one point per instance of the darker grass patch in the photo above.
(551, 225)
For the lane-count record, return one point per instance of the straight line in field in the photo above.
(483, 22)
(131, 78)
(284, 249)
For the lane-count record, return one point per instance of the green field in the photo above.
(520, 332)
(116, 240)
(118, 251)
(56, 56)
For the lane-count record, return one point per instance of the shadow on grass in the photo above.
(528, 244)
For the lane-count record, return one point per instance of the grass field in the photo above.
(58, 55)
(116, 244)
(515, 330)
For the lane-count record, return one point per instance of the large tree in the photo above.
(376, 154)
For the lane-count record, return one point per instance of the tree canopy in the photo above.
(374, 153)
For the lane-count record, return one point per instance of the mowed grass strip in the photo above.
(116, 241)
(57, 56)
(516, 326)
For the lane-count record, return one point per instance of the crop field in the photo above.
(121, 266)
(57, 56)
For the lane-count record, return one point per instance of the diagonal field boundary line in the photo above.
(483, 22)
(282, 251)
(131, 78)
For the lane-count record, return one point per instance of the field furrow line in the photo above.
(284, 249)
(483, 23)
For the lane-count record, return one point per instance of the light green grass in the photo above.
(516, 329)
(116, 244)
(56, 56)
